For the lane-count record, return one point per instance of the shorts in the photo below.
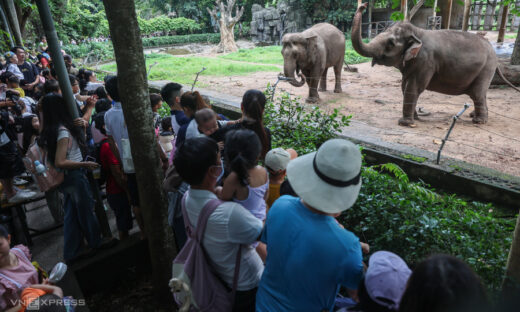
(11, 163)
(119, 203)
(132, 189)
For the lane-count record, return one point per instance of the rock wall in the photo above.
(270, 24)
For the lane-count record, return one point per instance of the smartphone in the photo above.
(90, 158)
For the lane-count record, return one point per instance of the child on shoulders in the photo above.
(247, 183)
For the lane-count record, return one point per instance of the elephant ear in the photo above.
(413, 49)
(312, 49)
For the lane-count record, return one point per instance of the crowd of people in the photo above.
(272, 212)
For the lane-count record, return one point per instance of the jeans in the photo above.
(79, 220)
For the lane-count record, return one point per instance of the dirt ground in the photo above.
(373, 96)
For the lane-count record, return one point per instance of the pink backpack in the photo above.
(195, 284)
(53, 177)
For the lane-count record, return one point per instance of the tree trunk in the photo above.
(515, 57)
(10, 11)
(511, 283)
(404, 9)
(503, 24)
(465, 21)
(227, 24)
(7, 36)
(133, 89)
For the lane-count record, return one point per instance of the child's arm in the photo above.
(118, 175)
(231, 184)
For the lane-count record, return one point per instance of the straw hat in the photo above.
(329, 179)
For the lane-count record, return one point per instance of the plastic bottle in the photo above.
(40, 168)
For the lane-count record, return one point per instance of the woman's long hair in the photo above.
(84, 78)
(253, 103)
(28, 131)
(55, 113)
(242, 150)
(193, 101)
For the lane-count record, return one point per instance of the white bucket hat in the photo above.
(329, 179)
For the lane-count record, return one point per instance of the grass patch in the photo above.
(510, 36)
(184, 69)
(273, 55)
(415, 158)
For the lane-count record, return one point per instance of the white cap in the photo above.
(277, 159)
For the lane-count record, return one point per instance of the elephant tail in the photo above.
(499, 72)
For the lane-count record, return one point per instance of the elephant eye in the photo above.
(390, 43)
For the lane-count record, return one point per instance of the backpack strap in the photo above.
(187, 224)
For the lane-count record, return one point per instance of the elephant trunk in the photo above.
(367, 50)
(289, 70)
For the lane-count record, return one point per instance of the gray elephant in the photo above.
(445, 61)
(309, 54)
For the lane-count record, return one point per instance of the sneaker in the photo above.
(22, 196)
(19, 181)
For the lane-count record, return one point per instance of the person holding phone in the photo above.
(63, 139)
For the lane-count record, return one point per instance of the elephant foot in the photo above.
(322, 89)
(407, 122)
(479, 120)
(337, 90)
(312, 100)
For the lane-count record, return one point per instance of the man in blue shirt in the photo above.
(309, 255)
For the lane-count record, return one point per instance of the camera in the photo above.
(10, 95)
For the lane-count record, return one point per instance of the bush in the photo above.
(304, 129)
(169, 40)
(180, 25)
(394, 214)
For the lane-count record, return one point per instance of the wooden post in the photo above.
(490, 12)
(370, 4)
(404, 8)
(448, 17)
(476, 18)
(465, 21)
(434, 13)
(503, 24)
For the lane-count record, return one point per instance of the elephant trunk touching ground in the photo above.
(289, 69)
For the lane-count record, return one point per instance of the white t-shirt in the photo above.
(228, 226)
(92, 86)
(115, 127)
(74, 153)
(13, 68)
(193, 128)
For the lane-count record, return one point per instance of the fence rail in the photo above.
(486, 15)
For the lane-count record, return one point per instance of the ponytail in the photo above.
(242, 150)
(240, 166)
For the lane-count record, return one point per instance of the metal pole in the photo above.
(57, 57)
(7, 27)
(455, 118)
(68, 96)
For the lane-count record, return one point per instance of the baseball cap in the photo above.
(277, 159)
(386, 278)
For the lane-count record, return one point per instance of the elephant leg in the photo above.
(480, 114)
(337, 72)
(313, 88)
(410, 96)
(478, 94)
(323, 81)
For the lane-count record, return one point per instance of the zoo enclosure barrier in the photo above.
(486, 15)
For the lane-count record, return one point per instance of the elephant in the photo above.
(445, 61)
(309, 54)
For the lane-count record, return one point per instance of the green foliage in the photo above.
(183, 69)
(298, 126)
(392, 213)
(169, 40)
(91, 51)
(180, 26)
(415, 158)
